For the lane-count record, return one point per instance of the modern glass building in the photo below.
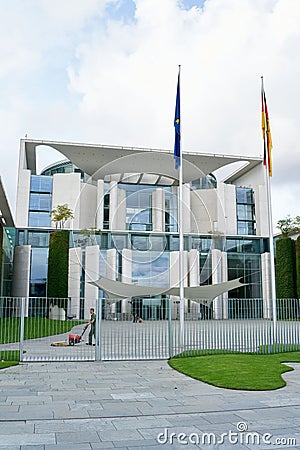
(126, 228)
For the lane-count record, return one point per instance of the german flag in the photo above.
(266, 131)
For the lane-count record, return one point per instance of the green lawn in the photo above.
(33, 328)
(9, 358)
(242, 371)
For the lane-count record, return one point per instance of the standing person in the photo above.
(92, 322)
(135, 317)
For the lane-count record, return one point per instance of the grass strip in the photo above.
(33, 328)
(242, 371)
(9, 358)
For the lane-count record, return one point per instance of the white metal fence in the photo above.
(38, 329)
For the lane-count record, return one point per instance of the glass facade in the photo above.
(40, 201)
(150, 251)
(7, 249)
(245, 211)
(38, 272)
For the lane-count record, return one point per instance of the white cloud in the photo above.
(118, 80)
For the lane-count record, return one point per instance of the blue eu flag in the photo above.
(177, 152)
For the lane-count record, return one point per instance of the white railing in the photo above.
(39, 329)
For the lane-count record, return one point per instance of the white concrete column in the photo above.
(23, 193)
(121, 210)
(23, 189)
(174, 268)
(226, 209)
(194, 276)
(100, 204)
(158, 210)
(225, 278)
(113, 205)
(74, 281)
(216, 261)
(126, 276)
(261, 211)
(111, 273)
(186, 198)
(111, 264)
(88, 206)
(266, 285)
(21, 273)
(91, 274)
(193, 257)
(174, 279)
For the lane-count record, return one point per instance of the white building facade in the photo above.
(130, 195)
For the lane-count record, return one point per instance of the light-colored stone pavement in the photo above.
(126, 405)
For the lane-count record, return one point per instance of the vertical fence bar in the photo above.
(170, 331)
(22, 316)
(98, 353)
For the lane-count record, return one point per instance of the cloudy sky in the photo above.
(105, 71)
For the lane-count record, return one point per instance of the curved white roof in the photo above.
(98, 161)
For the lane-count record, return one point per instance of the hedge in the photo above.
(58, 264)
(285, 268)
(298, 266)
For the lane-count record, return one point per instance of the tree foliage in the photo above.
(60, 214)
(289, 225)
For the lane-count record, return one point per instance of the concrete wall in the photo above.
(158, 210)
(23, 193)
(226, 206)
(266, 285)
(91, 274)
(21, 271)
(100, 204)
(87, 206)
(66, 190)
(74, 281)
(204, 210)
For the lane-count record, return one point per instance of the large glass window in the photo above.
(41, 183)
(138, 208)
(150, 268)
(247, 267)
(171, 222)
(40, 201)
(106, 211)
(39, 219)
(38, 272)
(38, 239)
(245, 211)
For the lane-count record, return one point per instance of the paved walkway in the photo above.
(126, 405)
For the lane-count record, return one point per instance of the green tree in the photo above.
(285, 225)
(60, 214)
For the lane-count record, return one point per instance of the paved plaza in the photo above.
(138, 405)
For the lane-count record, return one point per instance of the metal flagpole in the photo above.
(181, 242)
(181, 258)
(270, 221)
(272, 258)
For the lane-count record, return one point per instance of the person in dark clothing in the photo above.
(92, 322)
(135, 317)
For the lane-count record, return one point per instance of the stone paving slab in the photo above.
(125, 405)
